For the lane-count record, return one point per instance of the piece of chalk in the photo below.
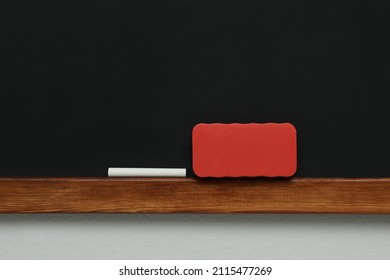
(244, 150)
(146, 172)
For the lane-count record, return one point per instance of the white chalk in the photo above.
(146, 172)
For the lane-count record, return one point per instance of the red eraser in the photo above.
(244, 150)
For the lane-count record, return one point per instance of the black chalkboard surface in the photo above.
(100, 84)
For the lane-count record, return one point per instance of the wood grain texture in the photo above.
(190, 195)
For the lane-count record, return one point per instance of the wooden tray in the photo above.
(190, 195)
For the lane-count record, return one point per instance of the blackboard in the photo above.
(95, 84)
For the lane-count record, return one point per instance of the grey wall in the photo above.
(119, 236)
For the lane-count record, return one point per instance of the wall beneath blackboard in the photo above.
(194, 236)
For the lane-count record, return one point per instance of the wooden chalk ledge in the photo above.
(190, 195)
